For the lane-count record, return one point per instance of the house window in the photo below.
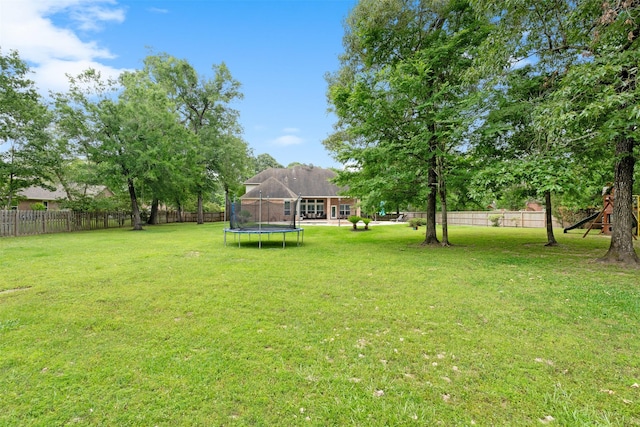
(314, 207)
(345, 210)
(287, 207)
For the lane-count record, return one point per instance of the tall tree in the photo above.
(233, 165)
(264, 161)
(600, 95)
(126, 126)
(204, 107)
(394, 94)
(592, 47)
(23, 122)
(514, 152)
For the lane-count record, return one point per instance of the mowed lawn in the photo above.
(168, 327)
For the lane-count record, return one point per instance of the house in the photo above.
(32, 195)
(319, 198)
(51, 198)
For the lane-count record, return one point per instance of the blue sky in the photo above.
(279, 50)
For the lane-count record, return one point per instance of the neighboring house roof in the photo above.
(285, 183)
(40, 193)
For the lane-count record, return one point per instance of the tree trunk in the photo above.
(135, 210)
(10, 193)
(179, 205)
(442, 189)
(621, 248)
(200, 209)
(551, 239)
(65, 186)
(431, 238)
(153, 216)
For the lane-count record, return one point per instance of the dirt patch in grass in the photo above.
(8, 291)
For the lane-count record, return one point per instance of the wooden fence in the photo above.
(172, 216)
(525, 219)
(25, 223)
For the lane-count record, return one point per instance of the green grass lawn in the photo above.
(169, 327)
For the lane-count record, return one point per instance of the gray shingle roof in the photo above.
(306, 181)
(271, 188)
(40, 193)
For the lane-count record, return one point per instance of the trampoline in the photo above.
(264, 217)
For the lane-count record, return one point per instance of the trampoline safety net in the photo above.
(263, 214)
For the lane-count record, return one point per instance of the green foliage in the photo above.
(587, 53)
(96, 204)
(506, 333)
(163, 133)
(495, 219)
(398, 96)
(38, 206)
(216, 156)
(263, 162)
(416, 222)
(24, 157)
(354, 219)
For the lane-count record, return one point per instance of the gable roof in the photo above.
(306, 181)
(41, 193)
(271, 188)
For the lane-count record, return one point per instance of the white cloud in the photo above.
(290, 130)
(157, 10)
(286, 140)
(90, 18)
(50, 50)
(52, 75)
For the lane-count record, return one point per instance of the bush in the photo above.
(366, 222)
(495, 219)
(38, 206)
(353, 219)
(416, 222)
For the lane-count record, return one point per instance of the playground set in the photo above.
(603, 220)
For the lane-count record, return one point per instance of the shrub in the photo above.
(495, 219)
(38, 206)
(366, 222)
(353, 219)
(416, 222)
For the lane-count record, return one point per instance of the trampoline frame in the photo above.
(268, 231)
